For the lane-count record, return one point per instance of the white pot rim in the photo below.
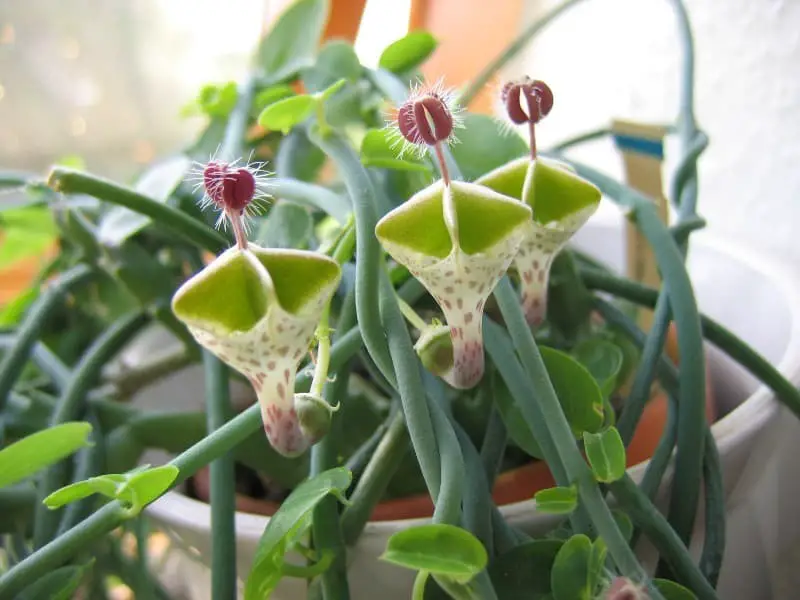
(742, 423)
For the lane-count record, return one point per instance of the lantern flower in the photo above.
(560, 200)
(458, 239)
(257, 309)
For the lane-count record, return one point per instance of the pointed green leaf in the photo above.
(485, 146)
(104, 485)
(419, 224)
(597, 559)
(606, 454)
(444, 550)
(673, 591)
(484, 217)
(557, 192)
(288, 225)
(292, 42)
(603, 359)
(285, 114)
(407, 52)
(524, 571)
(569, 578)
(576, 389)
(141, 488)
(228, 293)
(286, 525)
(298, 276)
(557, 500)
(377, 151)
(271, 95)
(41, 449)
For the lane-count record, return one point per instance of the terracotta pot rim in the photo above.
(517, 485)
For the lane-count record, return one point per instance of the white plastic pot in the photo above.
(755, 296)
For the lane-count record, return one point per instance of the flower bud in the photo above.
(435, 349)
(314, 416)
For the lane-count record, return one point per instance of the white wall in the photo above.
(621, 58)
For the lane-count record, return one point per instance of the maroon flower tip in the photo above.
(538, 100)
(227, 188)
(425, 120)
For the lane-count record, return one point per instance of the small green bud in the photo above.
(435, 349)
(314, 416)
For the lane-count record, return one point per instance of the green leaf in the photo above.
(377, 151)
(216, 100)
(557, 500)
(511, 414)
(141, 488)
(336, 61)
(570, 578)
(285, 114)
(105, 485)
(271, 95)
(292, 42)
(41, 449)
(576, 389)
(606, 454)
(286, 525)
(61, 584)
(523, 573)
(597, 560)
(136, 489)
(603, 359)
(673, 591)
(288, 225)
(25, 232)
(443, 550)
(484, 146)
(407, 52)
(157, 182)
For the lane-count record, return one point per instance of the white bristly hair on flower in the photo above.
(237, 191)
(443, 115)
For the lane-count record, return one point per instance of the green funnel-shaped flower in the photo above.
(562, 202)
(458, 240)
(257, 309)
